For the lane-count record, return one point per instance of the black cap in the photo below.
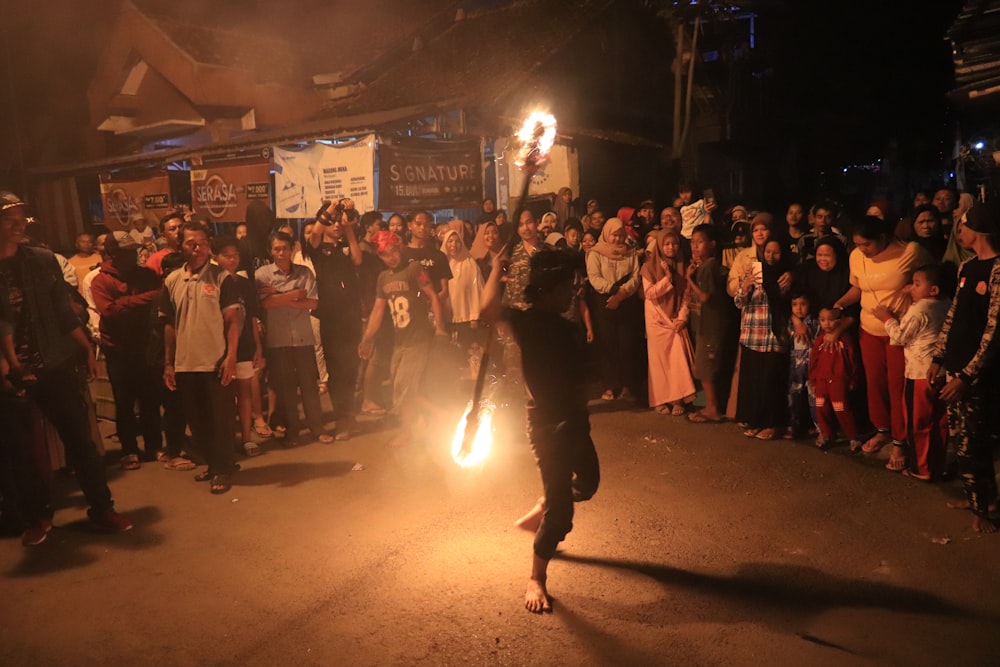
(981, 218)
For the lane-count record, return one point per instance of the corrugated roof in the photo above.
(975, 39)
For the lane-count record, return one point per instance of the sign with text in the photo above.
(426, 173)
(221, 191)
(304, 177)
(124, 195)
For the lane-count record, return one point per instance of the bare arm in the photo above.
(352, 243)
(436, 307)
(851, 297)
(170, 345)
(233, 319)
(374, 324)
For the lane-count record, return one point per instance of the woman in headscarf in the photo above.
(548, 224)
(613, 272)
(671, 357)
(464, 289)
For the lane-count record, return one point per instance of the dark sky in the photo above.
(848, 75)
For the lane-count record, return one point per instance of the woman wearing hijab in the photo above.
(564, 208)
(613, 272)
(671, 358)
(464, 289)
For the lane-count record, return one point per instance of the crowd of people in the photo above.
(869, 325)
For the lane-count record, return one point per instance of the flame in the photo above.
(537, 135)
(482, 443)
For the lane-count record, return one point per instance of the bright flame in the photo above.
(481, 443)
(536, 136)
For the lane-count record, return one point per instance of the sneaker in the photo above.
(111, 521)
(36, 532)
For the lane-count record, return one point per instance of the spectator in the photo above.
(693, 213)
(833, 373)
(881, 268)
(422, 251)
(85, 259)
(201, 334)
(564, 208)
(488, 210)
(822, 226)
(241, 231)
(613, 272)
(123, 293)
(287, 293)
(464, 291)
(802, 330)
(797, 226)
(486, 246)
(170, 228)
(48, 338)
(664, 286)
(336, 254)
(140, 230)
(589, 240)
(928, 231)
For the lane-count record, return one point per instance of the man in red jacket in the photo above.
(123, 293)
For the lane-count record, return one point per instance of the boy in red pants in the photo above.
(833, 372)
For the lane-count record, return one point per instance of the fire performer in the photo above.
(558, 421)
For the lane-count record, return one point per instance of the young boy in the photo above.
(710, 327)
(558, 421)
(249, 353)
(406, 289)
(833, 373)
(802, 329)
(926, 414)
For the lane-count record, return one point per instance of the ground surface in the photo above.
(701, 548)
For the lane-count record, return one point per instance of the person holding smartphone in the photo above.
(694, 213)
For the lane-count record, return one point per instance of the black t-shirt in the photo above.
(407, 306)
(433, 261)
(17, 315)
(968, 323)
(246, 348)
(337, 283)
(555, 374)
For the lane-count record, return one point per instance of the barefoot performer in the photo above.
(558, 421)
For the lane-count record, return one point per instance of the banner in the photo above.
(125, 195)
(561, 171)
(221, 190)
(304, 177)
(426, 173)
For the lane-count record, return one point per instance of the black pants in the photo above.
(174, 423)
(59, 395)
(618, 337)
(970, 426)
(570, 473)
(291, 369)
(762, 398)
(133, 381)
(340, 338)
(210, 410)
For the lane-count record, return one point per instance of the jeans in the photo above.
(340, 349)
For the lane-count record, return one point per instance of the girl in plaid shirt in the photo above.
(762, 401)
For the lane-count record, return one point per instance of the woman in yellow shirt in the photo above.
(881, 267)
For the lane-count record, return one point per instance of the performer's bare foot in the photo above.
(964, 505)
(532, 520)
(980, 524)
(536, 597)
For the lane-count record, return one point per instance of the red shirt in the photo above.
(833, 362)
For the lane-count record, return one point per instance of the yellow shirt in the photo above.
(883, 280)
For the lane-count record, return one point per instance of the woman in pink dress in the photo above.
(671, 385)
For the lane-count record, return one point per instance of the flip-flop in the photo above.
(220, 484)
(251, 449)
(180, 463)
(130, 462)
(263, 431)
(761, 434)
(869, 448)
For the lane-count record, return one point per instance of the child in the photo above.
(763, 379)
(710, 319)
(558, 422)
(802, 329)
(249, 353)
(833, 372)
(926, 414)
(405, 289)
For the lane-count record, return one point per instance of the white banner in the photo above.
(563, 170)
(303, 178)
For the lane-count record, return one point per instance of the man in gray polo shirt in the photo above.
(204, 316)
(287, 293)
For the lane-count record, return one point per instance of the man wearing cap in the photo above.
(967, 350)
(123, 293)
(141, 231)
(48, 340)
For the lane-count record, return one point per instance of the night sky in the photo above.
(847, 76)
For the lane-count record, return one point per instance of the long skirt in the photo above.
(670, 361)
(763, 392)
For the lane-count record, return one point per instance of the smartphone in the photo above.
(757, 268)
(708, 196)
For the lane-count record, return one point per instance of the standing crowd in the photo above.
(876, 328)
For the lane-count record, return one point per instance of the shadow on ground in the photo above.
(70, 545)
(290, 474)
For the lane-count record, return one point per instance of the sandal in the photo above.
(162, 456)
(765, 434)
(325, 438)
(663, 409)
(180, 463)
(875, 443)
(751, 432)
(251, 449)
(823, 443)
(204, 476)
(608, 395)
(677, 411)
(897, 464)
(220, 484)
(261, 428)
(130, 462)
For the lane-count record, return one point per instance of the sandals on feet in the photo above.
(220, 484)
(765, 434)
(262, 429)
(204, 476)
(251, 449)
(897, 464)
(325, 438)
(608, 395)
(875, 443)
(677, 411)
(180, 463)
(823, 443)
(751, 432)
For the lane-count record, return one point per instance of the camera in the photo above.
(327, 216)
